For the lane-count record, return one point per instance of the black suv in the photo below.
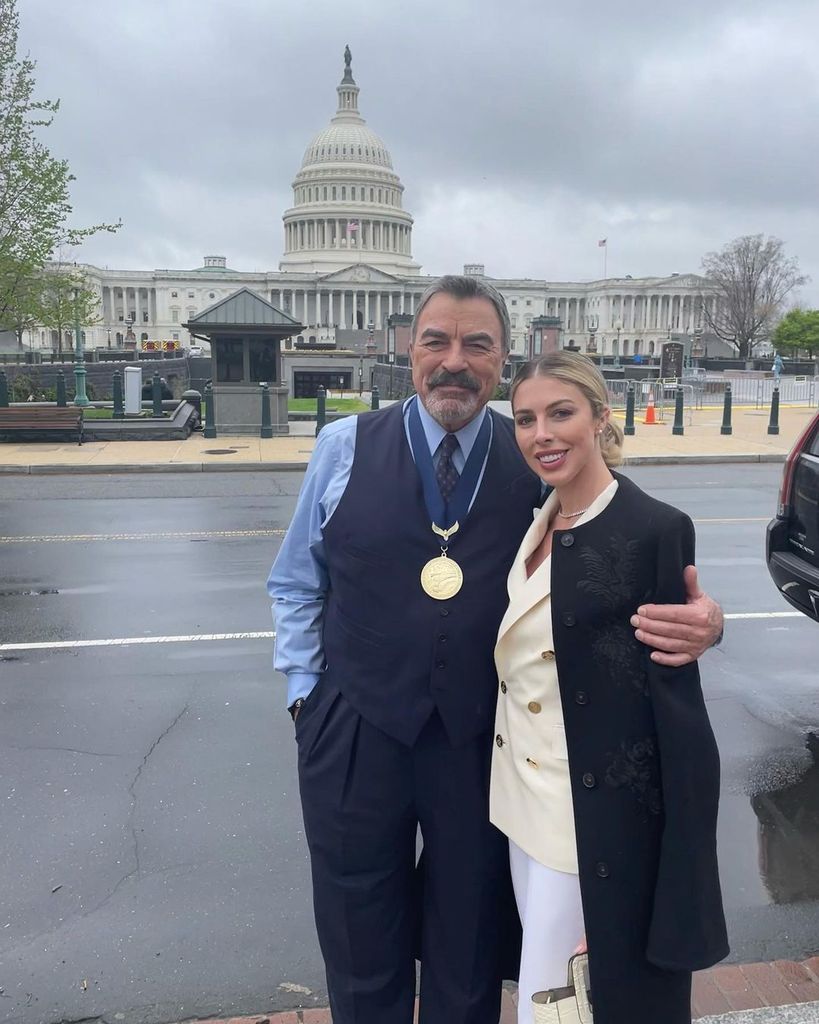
(792, 545)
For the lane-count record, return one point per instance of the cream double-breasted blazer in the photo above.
(530, 797)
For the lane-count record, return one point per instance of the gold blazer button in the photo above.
(547, 655)
(530, 761)
(534, 707)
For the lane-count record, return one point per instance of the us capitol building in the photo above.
(348, 265)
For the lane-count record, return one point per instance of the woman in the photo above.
(605, 773)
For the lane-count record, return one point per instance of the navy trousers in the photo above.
(364, 795)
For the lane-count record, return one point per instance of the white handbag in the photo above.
(569, 1005)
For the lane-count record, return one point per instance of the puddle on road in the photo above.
(788, 833)
(769, 841)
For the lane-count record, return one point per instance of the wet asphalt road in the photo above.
(153, 865)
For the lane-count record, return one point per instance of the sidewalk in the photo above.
(783, 992)
(701, 442)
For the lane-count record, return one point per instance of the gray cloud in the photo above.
(522, 131)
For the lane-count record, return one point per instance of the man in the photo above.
(389, 589)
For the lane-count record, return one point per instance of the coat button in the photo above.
(602, 869)
(534, 707)
(440, 664)
(567, 540)
(531, 762)
(499, 740)
(443, 638)
(568, 619)
(444, 612)
(589, 781)
(581, 697)
(547, 655)
(503, 686)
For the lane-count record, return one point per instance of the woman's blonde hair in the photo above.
(577, 369)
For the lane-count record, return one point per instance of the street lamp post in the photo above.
(80, 373)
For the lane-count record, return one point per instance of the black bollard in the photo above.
(321, 408)
(119, 409)
(210, 419)
(628, 430)
(156, 395)
(726, 429)
(4, 390)
(267, 426)
(773, 424)
(374, 398)
(678, 414)
(61, 399)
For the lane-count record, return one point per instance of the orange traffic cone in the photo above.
(649, 417)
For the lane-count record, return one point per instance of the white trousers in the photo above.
(552, 917)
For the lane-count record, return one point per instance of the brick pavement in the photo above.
(720, 990)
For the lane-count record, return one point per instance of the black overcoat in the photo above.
(643, 761)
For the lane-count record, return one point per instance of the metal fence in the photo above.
(701, 391)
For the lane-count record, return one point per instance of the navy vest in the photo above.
(393, 652)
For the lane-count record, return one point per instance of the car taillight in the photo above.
(790, 465)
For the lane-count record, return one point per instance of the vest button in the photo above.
(589, 781)
(581, 697)
(444, 612)
(547, 655)
(503, 686)
(602, 869)
(567, 540)
(440, 664)
(568, 619)
(499, 740)
(534, 707)
(443, 638)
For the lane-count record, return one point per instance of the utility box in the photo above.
(133, 390)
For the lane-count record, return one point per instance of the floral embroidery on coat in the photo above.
(636, 767)
(610, 576)
(610, 572)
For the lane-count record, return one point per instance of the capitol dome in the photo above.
(347, 199)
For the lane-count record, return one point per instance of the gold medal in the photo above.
(441, 578)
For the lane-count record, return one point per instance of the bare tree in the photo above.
(751, 279)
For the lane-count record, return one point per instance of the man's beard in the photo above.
(448, 411)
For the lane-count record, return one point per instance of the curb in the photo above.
(55, 469)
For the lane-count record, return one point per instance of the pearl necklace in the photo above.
(571, 515)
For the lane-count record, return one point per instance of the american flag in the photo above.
(603, 242)
(352, 227)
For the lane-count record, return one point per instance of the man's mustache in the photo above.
(455, 380)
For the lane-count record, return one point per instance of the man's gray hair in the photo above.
(465, 287)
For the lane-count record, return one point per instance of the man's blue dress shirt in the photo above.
(298, 581)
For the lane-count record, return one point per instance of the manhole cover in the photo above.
(219, 451)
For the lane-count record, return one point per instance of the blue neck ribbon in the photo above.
(445, 514)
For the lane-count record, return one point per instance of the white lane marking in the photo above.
(128, 641)
(743, 519)
(764, 615)
(159, 535)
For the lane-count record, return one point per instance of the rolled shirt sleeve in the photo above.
(298, 581)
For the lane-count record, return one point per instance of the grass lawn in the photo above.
(338, 404)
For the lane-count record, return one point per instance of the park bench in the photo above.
(40, 419)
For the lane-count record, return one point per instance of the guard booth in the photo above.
(245, 333)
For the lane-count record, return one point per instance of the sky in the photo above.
(523, 131)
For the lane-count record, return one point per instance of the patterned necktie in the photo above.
(445, 472)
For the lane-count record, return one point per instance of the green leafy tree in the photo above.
(798, 331)
(65, 300)
(34, 186)
(751, 278)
